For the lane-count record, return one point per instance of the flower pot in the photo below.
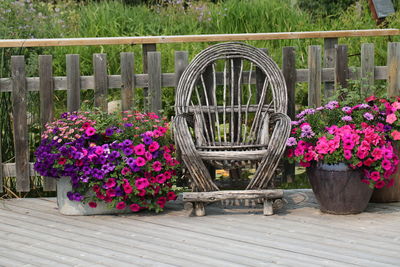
(68, 207)
(389, 194)
(338, 188)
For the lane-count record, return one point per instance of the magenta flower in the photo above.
(121, 205)
(375, 176)
(140, 149)
(154, 146)
(161, 201)
(92, 204)
(90, 131)
(134, 207)
(157, 166)
(386, 164)
(140, 161)
(141, 183)
(347, 154)
(111, 183)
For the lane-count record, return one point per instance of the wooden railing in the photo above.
(332, 72)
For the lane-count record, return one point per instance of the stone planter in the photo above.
(68, 207)
(338, 188)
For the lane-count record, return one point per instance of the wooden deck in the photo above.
(33, 233)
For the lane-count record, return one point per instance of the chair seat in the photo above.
(233, 155)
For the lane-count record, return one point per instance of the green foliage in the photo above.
(325, 7)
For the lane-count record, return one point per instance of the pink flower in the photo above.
(298, 151)
(134, 207)
(171, 196)
(396, 105)
(111, 192)
(154, 146)
(157, 166)
(161, 201)
(148, 156)
(322, 146)
(120, 205)
(92, 204)
(391, 118)
(125, 171)
(167, 156)
(111, 183)
(362, 152)
(142, 193)
(127, 188)
(140, 161)
(347, 154)
(161, 178)
(141, 183)
(386, 164)
(90, 131)
(96, 188)
(375, 176)
(140, 149)
(368, 162)
(380, 184)
(377, 153)
(99, 150)
(396, 135)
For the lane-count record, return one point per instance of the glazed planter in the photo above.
(68, 207)
(338, 188)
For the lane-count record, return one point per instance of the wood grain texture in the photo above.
(260, 77)
(146, 48)
(329, 62)
(393, 65)
(341, 67)
(367, 68)
(46, 103)
(154, 68)
(151, 40)
(100, 81)
(314, 77)
(128, 93)
(73, 83)
(232, 194)
(181, 62)
(19, 103)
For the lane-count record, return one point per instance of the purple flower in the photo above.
(77, 197)
(147, 140)
(130, 161)
(70, 196)
(127, 142)
(387, 128)
(368, 116)
(128, 151)
(306, 128)
(347, 118)
(332, 105)
(128, 124)
(109, 132)
(291, 141)
(346, 109)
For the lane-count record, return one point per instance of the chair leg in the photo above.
(189, 208)
(199, 209)
(268, 210)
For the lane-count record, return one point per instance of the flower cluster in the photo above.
(334, 134)
(125, 160)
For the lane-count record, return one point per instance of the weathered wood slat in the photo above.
(393, 64)
(46, 103)
(9, 170)
(289, 72)
(73, 83)
(329, 62)
(224, 195)
(146, 48)
(341, 67)
(19, 102)
(100, 81)
(367, 68)
(260, 77)
(228, 155)
(127, 81)
(314, 77)
(154, 69)
(181, 61)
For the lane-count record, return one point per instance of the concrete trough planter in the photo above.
(68, 207)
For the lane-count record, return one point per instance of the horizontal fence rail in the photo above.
(322, 77)
(195, 38)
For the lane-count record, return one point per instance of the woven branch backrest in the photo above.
(231, 89)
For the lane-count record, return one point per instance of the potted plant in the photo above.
(108, 163)
(346, 153)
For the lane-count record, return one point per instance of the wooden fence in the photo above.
(330, 69)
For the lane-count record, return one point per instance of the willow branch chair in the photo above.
(230, 108)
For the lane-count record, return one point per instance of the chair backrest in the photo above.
(231, 89)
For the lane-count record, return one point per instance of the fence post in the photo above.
(46, 87)
(329, 62)
(154, 68)
(100, 81)
(19, 101)
(73, 83)
(393, 66)
(367, 68)
(146, 48)
(289, 72)
(181, 62)
(314, 76)
(128, 92)
(341, 66)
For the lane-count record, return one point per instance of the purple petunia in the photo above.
(147, 140)
(368, 116)
(347, 118)
(291, 141)
(128, 151)
(109, 132)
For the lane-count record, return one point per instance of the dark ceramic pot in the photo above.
(338, 188)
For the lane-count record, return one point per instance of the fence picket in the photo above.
(367, 68)
(314, 76)
(341, 66)
(154, 68)
(329, 62)
(128, 92)
(393, 65)
(100, 81)
(19, 101)
(46, 103)
(73, 83)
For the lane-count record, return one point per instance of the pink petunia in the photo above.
(375, 176)
(368, 162)
(161, 201)
(386, 164)
(347, 154)
(140, 149)
(377, 153)
(161, 178)
(90, 131)
(171, 196)
(141, 183)
(380, 184)
(127, 188)
(167, 156)
(391, 118)
(92, 204)
(157, 166)
(396, 135)
(142, 193)
(154, 146)
(111, 183)
(134, 207)
(121, 205)
(140, 161)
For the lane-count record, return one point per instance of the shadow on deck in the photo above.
(33, 233)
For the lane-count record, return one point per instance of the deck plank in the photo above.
(33, 233)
